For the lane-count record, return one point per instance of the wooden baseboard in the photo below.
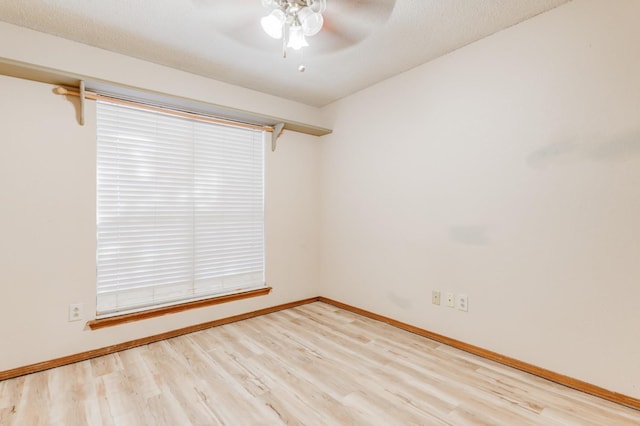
(493, 356)
(83, 356)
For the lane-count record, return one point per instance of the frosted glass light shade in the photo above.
(319, 6)
(311, 21)
(296, 38)
(272, 23)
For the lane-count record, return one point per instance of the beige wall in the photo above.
(47, 228)
(508, 170)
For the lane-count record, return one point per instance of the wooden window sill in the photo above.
(152, 313)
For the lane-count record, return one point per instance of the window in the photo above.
(180, 211)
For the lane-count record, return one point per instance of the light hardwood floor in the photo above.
(315, 364)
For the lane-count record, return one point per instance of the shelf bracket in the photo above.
(82, 102)
(277, 131)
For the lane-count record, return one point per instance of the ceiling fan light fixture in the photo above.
(318, 6)
(311, 21)
(272, 23)
(296, 38)
(292, 20)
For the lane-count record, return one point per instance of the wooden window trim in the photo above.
(156, 312)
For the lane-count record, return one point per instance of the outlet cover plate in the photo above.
(76, 311)
(462, 302)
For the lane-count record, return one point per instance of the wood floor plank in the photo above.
(33, 407)
(10, 396)
(68, 388)
(314, 365)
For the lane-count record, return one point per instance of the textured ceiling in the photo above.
(363, 42)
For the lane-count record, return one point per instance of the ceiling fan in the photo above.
(345, 22)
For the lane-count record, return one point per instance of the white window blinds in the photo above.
(180, 209)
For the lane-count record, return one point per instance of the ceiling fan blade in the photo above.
(346, 22)
(350, 21)
(361, 12)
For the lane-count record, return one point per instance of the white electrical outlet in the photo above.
(75, 311)
(462, 302)
(435, 297)
(450, 300)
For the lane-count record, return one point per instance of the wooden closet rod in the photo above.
(94, 96)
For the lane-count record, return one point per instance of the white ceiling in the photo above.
(222, 39)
